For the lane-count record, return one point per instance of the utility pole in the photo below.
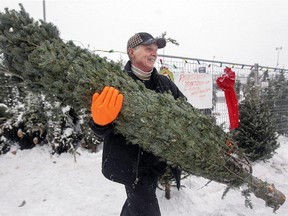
(278, 51)
(44, 11)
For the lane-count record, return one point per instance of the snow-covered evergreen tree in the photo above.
(12, 94)
(256, 134)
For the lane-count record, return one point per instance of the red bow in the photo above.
(226, 83)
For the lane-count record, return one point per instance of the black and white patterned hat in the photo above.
(145, 39)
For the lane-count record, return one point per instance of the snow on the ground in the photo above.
(33, 182)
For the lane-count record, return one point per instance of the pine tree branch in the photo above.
(5, 70)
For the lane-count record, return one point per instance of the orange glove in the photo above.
(106, 106)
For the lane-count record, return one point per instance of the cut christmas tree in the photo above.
(171, 129)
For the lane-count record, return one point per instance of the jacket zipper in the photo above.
(137, 169)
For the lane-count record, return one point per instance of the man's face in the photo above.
(144, 56)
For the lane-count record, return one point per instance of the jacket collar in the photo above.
(128, 69)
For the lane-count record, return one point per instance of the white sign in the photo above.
(197, 87)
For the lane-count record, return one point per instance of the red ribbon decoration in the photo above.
(226, 83)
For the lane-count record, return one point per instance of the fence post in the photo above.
(256, 70)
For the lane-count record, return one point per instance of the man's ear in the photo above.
(130, 52)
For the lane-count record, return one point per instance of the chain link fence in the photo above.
(177, 64)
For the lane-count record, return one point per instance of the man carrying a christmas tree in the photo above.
(124, 163)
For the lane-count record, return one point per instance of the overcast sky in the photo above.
(237, 31)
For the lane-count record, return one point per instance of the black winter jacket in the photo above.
(130, 164)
